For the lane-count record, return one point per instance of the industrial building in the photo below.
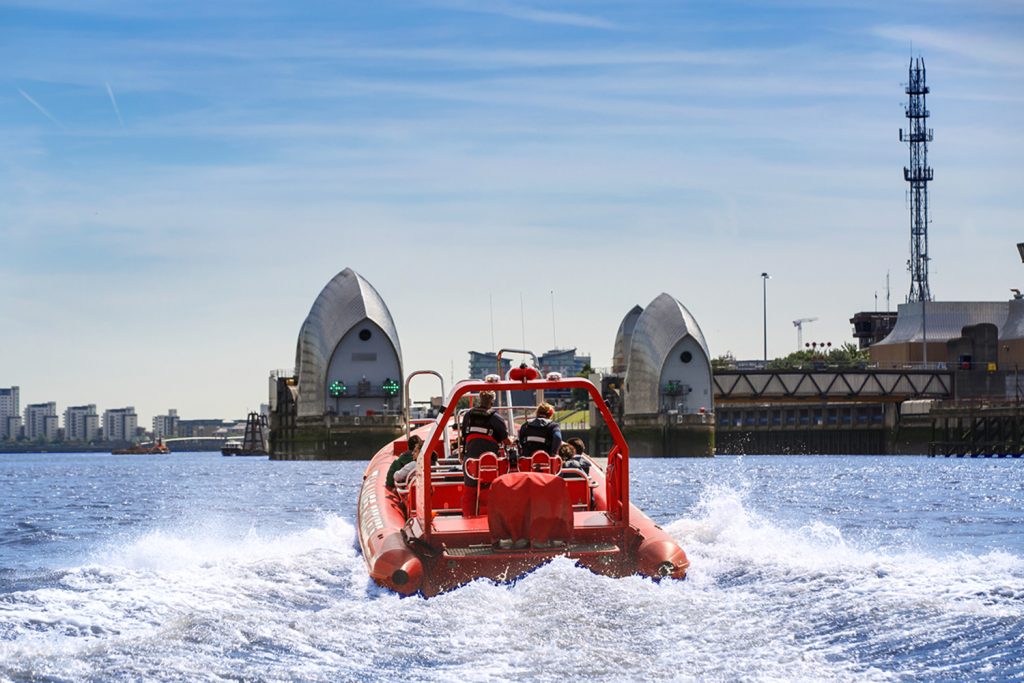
(1011, 337)
(924, 328)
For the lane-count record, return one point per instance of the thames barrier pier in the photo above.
(661, 381)
(344, 398)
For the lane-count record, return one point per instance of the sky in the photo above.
(178, 181)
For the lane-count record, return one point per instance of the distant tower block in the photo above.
(917, 137)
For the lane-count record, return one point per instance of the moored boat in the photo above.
(497, 516)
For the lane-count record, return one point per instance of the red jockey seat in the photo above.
(484, 470)
(578, 485)
(540, 461)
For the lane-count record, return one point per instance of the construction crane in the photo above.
(799, 325)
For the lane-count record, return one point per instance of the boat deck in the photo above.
(456, 524)
(571, 549)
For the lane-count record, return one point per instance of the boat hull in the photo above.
(398, 559)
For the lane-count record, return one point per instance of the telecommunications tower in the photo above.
(917, 137)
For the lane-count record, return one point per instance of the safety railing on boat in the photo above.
(617, 470)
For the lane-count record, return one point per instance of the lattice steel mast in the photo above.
(918, 174)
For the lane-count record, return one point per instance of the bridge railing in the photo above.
(831, 384)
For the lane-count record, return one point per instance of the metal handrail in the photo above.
(407, 405)
(536, 361)
(620, 449)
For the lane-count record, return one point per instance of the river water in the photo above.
(200, 567)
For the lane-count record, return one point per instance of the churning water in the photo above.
(200, 567)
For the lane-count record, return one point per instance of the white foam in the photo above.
(763, 601)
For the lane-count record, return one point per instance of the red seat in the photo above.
(484, 470)
(446, 495)
(541, 462)
(578, 485)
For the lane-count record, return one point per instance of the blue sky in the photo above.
(181, 179)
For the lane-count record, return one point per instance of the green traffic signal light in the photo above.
(337, 389)
(390, 387)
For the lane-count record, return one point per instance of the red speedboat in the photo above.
(428, 539)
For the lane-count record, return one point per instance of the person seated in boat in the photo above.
(570, 461)
(581, 450)
(406, 458)
(483, 429)
(541, 433)
(403, 475)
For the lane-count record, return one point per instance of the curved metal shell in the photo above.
(942, 320)
(623, 338)
(662, 327)
(347, 300)
(1013, 329)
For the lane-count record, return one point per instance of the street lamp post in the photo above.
(764, 301)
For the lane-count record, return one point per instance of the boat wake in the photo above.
(763, 600)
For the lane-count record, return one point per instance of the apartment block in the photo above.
(81, 423)
(11, 426)
(120, 424)
(37, 424)
(10, 407)
(166, 426)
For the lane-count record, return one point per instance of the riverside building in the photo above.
(166, 426)
(81, 423)
(482, 364)
(120, 424)
(41, 422)
(10, 413)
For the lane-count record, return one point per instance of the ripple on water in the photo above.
(784, 592)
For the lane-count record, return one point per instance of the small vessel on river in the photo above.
(157, 448)
(231, 447)
(432, 537)
(254, 441)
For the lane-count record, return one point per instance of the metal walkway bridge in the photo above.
(827, 385)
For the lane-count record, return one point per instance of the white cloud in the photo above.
(523, 12)
(986, 48)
